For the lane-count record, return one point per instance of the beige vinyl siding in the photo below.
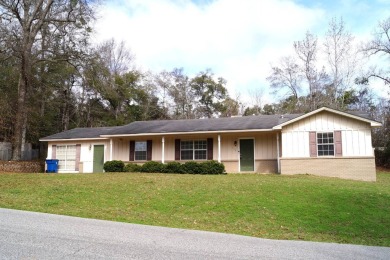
(295, 144)
(229, 152)
(169, 149)
(357, 142)
(120, 149)
(265, 146)
(356, 135)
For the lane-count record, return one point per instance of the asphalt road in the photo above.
(30, 235)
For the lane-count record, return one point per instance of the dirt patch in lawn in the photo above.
(382, 169)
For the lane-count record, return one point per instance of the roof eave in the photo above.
(72, 139)
(371, 122)
(376, 124)
(189, 133)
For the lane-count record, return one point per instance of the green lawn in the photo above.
(269, 206)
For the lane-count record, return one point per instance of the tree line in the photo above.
(52, 78)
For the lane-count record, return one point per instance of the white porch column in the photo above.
(163, 150)
(277, 151)
(219, 148)
(110, 149)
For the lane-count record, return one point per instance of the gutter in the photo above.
(189, 133)
(72, 139)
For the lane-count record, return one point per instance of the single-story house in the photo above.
(324, 142)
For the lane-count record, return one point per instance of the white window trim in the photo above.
(193, 149)
(135, 150)
(66, 167)
(334, 145)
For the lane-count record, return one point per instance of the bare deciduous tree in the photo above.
(286, 76)
(182, 95)
(342, 59)
(307, 52)
(115, 56)
(257, 101)
(380, 45)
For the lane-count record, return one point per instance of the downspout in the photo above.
(277, 151)
(219, 148)
(110, 149)
(163, 150)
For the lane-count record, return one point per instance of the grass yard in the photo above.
(269, 206)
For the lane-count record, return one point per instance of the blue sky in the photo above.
(238, 40)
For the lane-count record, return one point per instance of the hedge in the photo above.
(152, 166)
(193, 167)
(173, 167)
(114, 166)
(132, 167)
(206, 167)
(212, 167)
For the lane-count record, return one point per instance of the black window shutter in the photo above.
(149, 150)
(209, 148)
(132, 148)
(177, 149)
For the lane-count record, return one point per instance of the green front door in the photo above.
(247, 158)
(98, 158)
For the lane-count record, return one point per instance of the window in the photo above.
(325, 144)
(140, 151)
(193, 150)
(66, 155)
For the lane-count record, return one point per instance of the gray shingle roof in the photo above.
(175, 126)
(79, 133)
(261, 122)
(360, 114)
(203, 125)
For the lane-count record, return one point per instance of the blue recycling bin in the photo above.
(52, 165)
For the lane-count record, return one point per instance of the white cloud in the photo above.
(238, 40)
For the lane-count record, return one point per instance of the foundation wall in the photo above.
(266, 166)
(362, 169)
(261, 166)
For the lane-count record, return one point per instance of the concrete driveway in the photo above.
(30, 235)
